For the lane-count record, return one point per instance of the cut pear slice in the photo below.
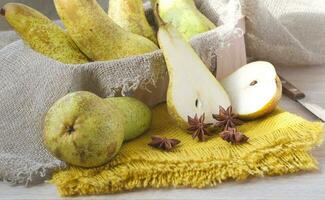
(254, 89)
(192, 88)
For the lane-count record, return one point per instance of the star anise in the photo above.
(198, 127)
(226, 118)
(163, 143)
(233, 136)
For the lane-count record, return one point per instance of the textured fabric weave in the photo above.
(278, 144)
(30, 83)
(287, 32)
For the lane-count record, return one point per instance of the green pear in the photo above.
(83, 130)
(96, 34)
(192, 88)
(130, 15)
(136, 115)
(184, 15)
(41, 34)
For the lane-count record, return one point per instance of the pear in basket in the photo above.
(184, 16)
(41, 34)
(96, 34)
(130, 15)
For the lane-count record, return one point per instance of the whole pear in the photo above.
(184, 16)
(136, 115)
(83, 130)
(41, 34)
(130, 15)
(96, 34)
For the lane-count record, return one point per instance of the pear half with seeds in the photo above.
(254, 89)
(192, 87)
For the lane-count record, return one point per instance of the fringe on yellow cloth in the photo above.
(278, 144)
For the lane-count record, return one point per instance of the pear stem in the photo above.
(70, 129)
(2, 11)
(160, 21)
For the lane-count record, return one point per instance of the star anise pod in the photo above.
(233, 136)
(163, 143)
(198, 127)
(226, 118)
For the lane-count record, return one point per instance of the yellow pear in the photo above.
(83, 130)
(184, 15)
(130, 15)
(41, 34)
(96, 34)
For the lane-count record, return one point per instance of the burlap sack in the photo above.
(287, 32)
(30, 83)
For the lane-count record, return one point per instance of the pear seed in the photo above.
(253, 83)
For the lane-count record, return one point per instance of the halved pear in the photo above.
(254, 89)
(192, 88)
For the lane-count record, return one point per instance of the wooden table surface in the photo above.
(309, 186)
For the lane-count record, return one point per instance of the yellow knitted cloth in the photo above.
(278, 144)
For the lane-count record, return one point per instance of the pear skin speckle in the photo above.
(136, 115)
(97, 130)
(185, 17)
(130, 15)
(42, 35)
(96, 34)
